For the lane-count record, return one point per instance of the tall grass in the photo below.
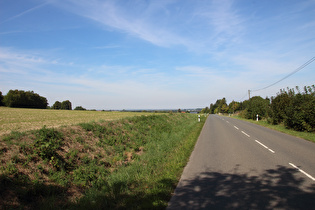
(132, 163)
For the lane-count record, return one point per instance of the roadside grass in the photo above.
(19, 119)
(304, 135)
(132, 163)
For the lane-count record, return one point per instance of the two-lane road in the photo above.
(240, 165)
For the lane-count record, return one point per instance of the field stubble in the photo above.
(17, 119)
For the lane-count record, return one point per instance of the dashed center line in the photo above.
(264, 146)
(261, 144)
(294, 166)
(245, 134)
(271, 150)
(306, 174)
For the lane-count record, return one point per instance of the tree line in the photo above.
(29, 99)
(23, 99)
(294, 108)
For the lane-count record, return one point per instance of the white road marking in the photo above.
(264, 146)
(261, 144)
(306, 174)
(245, 134)
(227, 121)
(236, 127)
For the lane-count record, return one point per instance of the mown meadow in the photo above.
(22, 119)
(132, 163)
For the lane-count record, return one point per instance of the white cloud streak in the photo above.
(165, 30)
(24, 12)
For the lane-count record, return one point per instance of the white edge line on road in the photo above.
(306, 174)
(236, 127)
(245, 134)
(271, 150)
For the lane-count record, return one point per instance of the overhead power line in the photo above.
(296, 70)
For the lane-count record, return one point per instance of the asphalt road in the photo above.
(240, 165)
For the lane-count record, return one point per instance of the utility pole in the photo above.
(248, 94)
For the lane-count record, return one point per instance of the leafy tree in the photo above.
(300, 111)
(224, 108)
(25, 99)
(278, 106)
(57, 105)
(66, 105)
(212, 108)
(220, 106)
(79, 108)
(234, 106)
(205, 110)
(1, 99)
(257, 105)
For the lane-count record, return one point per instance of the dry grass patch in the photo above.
(18, 119)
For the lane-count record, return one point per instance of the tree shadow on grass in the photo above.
(19, 192)
(274, 189)
(122, 196)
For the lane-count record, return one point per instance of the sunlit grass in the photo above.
(132, 163)
(17, 119)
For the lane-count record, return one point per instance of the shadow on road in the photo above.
(275, 188)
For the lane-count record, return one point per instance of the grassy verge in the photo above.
(131, 163)
(304, 135)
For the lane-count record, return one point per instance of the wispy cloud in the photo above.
(165, 31)
(117, 15)
(24, 12)
(223, 18)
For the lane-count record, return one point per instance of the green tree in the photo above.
(220, 106)
(278, 107)
(234, 106)
(79, 108)
(25, 99)
(205, 110)
(57, 105)
(257, 105)
(66, 105)
(224, 108)
(300, 110)
(212, 108)
(1, 99)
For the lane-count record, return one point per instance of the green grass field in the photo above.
(129, 163)
(16, 119)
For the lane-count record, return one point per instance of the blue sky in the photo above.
(140, 54)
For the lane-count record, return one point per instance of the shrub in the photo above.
(46, 145)
(79, 108)
(300, 113)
